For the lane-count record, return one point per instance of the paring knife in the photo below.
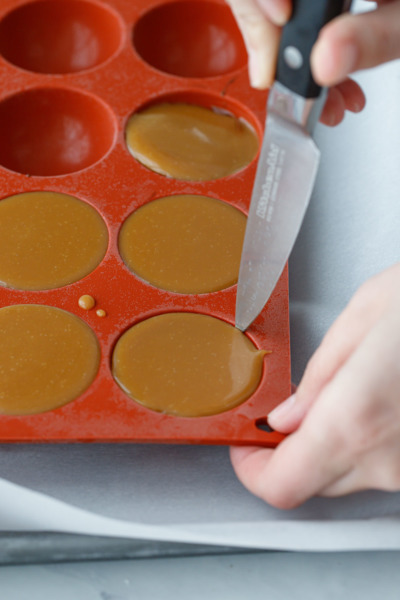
(288, 161)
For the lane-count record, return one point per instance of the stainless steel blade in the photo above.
(284, 181)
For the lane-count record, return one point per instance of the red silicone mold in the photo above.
(73, 72)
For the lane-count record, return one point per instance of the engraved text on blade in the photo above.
(275, 160)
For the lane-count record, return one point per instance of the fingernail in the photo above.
(276, 11)
(253, 69)
(256, 73)
(329, 68)
(278, 16)
(283, 409)
(349, 55)
(356, 107)
(332, 120)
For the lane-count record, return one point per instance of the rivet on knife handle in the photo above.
(298, 38)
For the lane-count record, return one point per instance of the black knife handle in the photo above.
(298, 38)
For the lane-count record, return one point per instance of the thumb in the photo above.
(261, 37)
(353, 42)
(339, 343)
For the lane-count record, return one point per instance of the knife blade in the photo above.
(288, 161)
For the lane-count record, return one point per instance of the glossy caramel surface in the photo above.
(187, 364)
(48, 240)
(188, 244)
(48, 357)
(185, 141)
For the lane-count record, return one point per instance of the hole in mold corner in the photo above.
(54, 131)
(190, 39)
(262, 424)
(59, 36)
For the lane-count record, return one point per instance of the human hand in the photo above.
(344, 419)
(345, 45)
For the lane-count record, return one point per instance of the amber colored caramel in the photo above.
(87, 302)
(187, 364)
(48, 357)
(187, 244)
(186, 141)
(48, 240)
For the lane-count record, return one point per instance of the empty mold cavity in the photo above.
(185, 243)
(187, 364)
(48, 357)
(59, 36)
(190, 39)
(54, 131)
(48, 240)
(193, 136)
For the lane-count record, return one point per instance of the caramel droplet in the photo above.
(86, 302)
(101, 313)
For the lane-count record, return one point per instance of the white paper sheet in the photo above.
(48, 514)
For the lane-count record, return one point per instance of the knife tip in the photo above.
(240, 326)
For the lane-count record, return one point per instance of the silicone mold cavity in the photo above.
(54, 131)
(190, 39)
(59, 36)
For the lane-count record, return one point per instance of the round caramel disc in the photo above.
(187, 364)
(187, 244)
(48, 240)
(186, 141)
(48, 357)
